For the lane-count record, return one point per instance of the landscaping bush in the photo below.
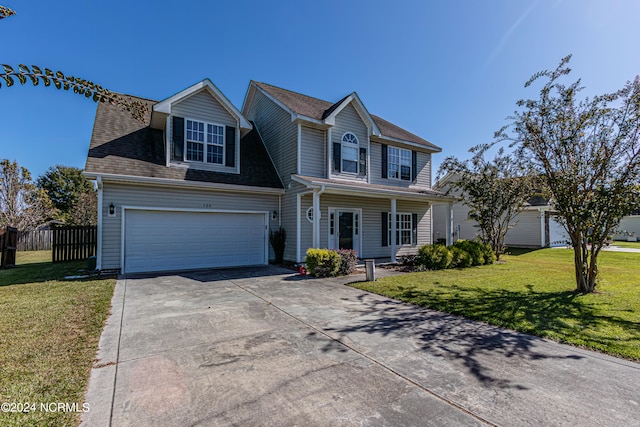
(278, 241)
(323, 262)
(460, 257)
(480, 253)
(434, 257)
(348, 261)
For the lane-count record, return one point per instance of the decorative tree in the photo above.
(587, 152)
(495, 191)
(66, 186)
(22, 205)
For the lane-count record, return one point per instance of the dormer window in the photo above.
(349, 153)
(195, 147)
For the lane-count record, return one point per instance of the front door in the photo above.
(344, 229)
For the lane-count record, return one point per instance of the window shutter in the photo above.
(363, 162)
(337, 152)
(384, 160)
(385, 229)
(177, 138)
(414, 165)
(230, 147)
(414, 228)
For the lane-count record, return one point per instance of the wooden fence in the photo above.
(8, 240)
(74, 243)
(35, 240)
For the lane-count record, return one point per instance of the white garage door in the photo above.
(558, 235)
(170, 240)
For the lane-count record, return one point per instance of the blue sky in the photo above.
(449, 71)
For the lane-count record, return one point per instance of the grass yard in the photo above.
(49, 331)
(623, 244)
(533, 292)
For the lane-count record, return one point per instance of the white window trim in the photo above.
(400, 150)
(343, 143)
(205, 143)
(399, 229)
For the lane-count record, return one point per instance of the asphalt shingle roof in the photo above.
(124, 146)
(319, 109)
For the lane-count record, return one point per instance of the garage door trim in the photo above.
(124, 210)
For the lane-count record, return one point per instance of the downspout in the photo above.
(99, 229)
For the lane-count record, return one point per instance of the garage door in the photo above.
(558, 235)
(170, 240)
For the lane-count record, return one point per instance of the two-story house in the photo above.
(201, 183)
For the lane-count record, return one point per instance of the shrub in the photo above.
(480, 253)
(434, 257)
(323, 262)
(278, 240)
(460, 258)
(348, 261)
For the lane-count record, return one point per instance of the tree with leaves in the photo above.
(494, 190)
(22, 204)
(88, 89)
(71, 194)
(587, 150)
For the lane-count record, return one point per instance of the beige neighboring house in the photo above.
(535, 227)
(201, 182)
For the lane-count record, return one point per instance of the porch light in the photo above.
(112, 209)
(274, 215)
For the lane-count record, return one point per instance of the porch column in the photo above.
(449, 223)
(393, 230)
(316, 219)
(298, 213)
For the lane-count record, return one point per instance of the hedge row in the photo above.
(330, 263)
(462, 254)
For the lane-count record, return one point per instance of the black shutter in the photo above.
(230, 147)
(414, 165)
(363, 161)
(414, 228)
(384, 160)
(178, 139)
(385, 229)
(337, 153)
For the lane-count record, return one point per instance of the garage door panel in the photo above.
(164, 240)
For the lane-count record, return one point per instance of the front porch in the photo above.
(345, 215)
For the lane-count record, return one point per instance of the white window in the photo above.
(349, 153)
(399, 164)
(404, 235)
(197, 150)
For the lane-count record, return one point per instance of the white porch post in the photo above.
(543, 235)
(449, 223)
(298, 213)
(316, 219)
(393, 230)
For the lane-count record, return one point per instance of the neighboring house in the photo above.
(629, 228)
(535, 227)
(200, 184)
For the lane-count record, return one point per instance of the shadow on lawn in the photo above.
(457, 339)
(38, 272)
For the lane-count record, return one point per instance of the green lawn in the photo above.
(533, 292)
(49, 331)
(623, 244)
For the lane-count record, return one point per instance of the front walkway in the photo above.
(266, 347)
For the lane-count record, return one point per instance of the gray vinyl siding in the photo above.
(371, 231)
(423, 178)
(348, 120)
(161, 197)
(279, 134)
(628, 224)
(288, 220)
(203, 106)
(526, 231)
(314, 149)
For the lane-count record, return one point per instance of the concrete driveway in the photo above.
(262, 347)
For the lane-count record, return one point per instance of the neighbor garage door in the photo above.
(170, 240)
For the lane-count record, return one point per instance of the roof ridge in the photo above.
(296, 93)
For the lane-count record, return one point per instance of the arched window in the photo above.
(349, 153)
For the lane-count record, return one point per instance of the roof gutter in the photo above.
(166, 182)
